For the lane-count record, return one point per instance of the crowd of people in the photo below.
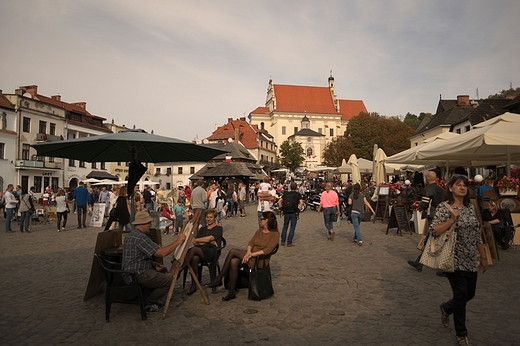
(442, 207)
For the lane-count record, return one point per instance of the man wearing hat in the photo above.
(138, 252)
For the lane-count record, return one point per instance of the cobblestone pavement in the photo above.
(326, 293)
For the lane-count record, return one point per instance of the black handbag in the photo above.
(260, 283)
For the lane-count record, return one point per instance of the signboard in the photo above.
(98, 213)
(399, 218)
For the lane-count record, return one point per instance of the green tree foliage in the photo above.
(291, 154)
(365, 130)
(336, 150)
(412, 120)
(510, 93)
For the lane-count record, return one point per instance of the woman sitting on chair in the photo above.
(498, 221)
(208, 238)
(263, 242)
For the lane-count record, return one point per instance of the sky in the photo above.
(182, 68)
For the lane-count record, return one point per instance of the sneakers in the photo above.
(63, 228)
(332, 233)
(59, 230)
(417, 267)
(360, 243)
(462, 341)
(153, 308)
(445, 320)
(283, 244)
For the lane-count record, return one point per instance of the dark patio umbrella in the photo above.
(134, 146)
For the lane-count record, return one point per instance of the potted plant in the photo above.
(508, 185)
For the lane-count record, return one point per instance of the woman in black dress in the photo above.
(497, 218)
(206, 241)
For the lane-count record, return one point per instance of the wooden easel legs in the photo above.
(174, 271)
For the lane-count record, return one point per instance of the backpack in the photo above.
(290, 201)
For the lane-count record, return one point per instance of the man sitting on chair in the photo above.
(138, 252)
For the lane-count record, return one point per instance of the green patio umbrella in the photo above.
(133, 146)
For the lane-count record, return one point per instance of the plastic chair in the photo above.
(117, 291)
(213, 265)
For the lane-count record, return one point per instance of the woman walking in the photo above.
(62, 210)
(358, 202)
(329, 203)
(463, 280)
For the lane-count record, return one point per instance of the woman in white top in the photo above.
(62, 209)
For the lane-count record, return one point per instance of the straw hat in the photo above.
(142, 218)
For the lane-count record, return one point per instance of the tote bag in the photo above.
(439, 252)
(260, 283)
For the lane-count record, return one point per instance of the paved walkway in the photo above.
(326, 293)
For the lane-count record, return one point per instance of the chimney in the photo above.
(463, 100)
(237, 135)
(82, 105)
(31, 89)
(56, 97)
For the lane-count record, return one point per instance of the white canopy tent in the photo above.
(495, 141)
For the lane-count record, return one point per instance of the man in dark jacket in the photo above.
(433, 195)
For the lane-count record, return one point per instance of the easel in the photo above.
(382, 202)
(399, 218)
(178, 258)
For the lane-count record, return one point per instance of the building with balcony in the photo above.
(44, 119)
(8, 135)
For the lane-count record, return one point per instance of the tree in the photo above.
(506, 94)
(412, 120)
(336, 150)
(291, 155)
(365, 130)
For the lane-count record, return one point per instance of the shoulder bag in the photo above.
(260, 283)
(439, 251)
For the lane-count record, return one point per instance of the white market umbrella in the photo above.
(379, 170)
(91, 180)
(107, 182)
(410, 156)
(495, 141)
(355, 175)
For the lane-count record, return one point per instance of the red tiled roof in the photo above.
(248, 132)
(300, 99)
(261, 110)
(351, 108)
(5, 103)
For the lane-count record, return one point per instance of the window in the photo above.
(55, 183)
(295, 129)
(26, 124)
(283, 130)
(82, 164)
(93, 165)
(169, 171)
(467, 128)
(119, 163)
(38, 184)
(2, 151)
(320, 130)
(331, 132)
(179, 170)
(25, 151)
(168, 186)
(157, 171)
(192, 170)
(457, 131)
(42, 128)
(51, 159)
(52, 129)
(102, 165)
(309, 152)
(71, 163)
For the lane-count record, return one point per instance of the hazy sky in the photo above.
(182, 68)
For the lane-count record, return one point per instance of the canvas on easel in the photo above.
(178, 258)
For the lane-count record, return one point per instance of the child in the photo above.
(264, 196)
(178, 210)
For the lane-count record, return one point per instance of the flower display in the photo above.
(508, 183)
